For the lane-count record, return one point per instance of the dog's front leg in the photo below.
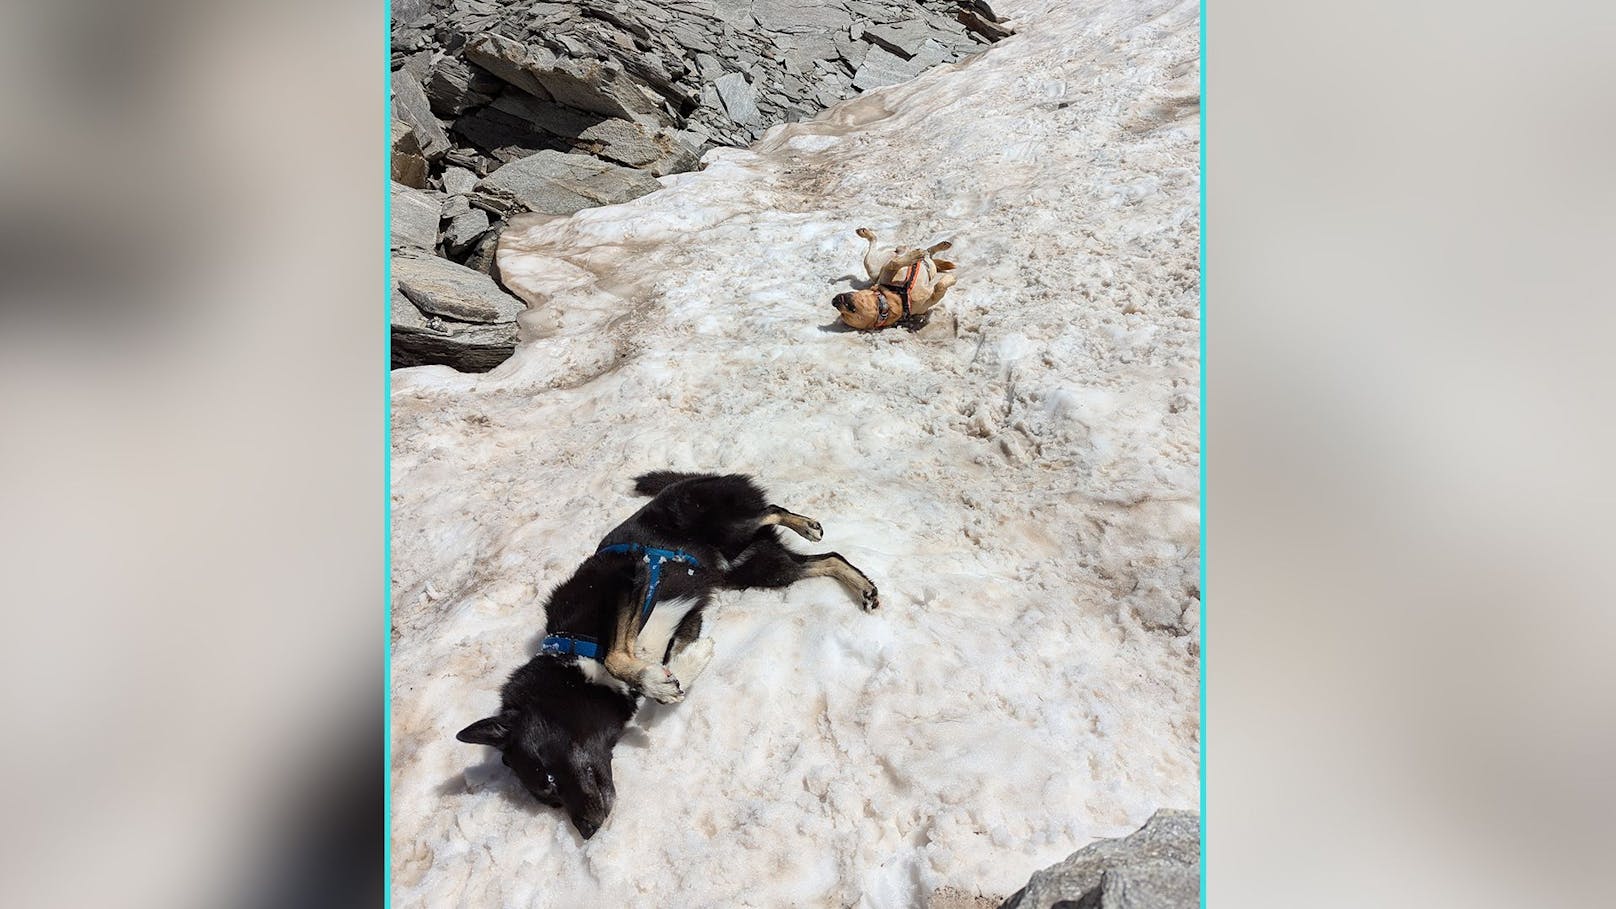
(655, 680)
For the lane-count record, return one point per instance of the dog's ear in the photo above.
(494, 730)
(943, 264)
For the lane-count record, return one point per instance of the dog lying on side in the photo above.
(628, 622)
(904, 283)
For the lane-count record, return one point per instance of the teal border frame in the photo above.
(387, 457)
(1201, 175)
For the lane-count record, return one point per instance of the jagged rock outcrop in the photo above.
(507, 106)
(1156, 867)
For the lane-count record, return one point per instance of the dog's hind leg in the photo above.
(874, 259)
(804, 527)
(928, 289)
(832, 565)
(769, 564)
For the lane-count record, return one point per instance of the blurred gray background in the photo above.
(1409, 688)
(193, 372)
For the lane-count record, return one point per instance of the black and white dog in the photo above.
(628, 622)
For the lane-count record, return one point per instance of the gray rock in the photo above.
(422, 340)
(903, 38)
(454, 87)
(409, 165)
(454, 208)
(633, 145)
(872, 11)
(418, 64)
(799, 15)
(407, 11)
(517, 77)
(411, 106)
(600, 87)
(484, 257)
(596, 86)
(415, 218)
(989, 29)
(404, 312)
(509, 60)
(458, 181)
(740, 101)
(1156, 867)
(880, 67)
(442, 288)
(555, 183)
(467, 159)
(465, 229)
(981, 8)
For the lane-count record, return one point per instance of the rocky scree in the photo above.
(520, 106)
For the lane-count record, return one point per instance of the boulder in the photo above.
(509, 60)
(1156, 867)
(411, 106)
(901, 38)
(457, 181)
(465, 229)
(555, 183)
(422, 340)
(409, 165)
(634, 145)
(442, 288)
(881, 67)
(415, 218)
(740, 101)
(407, 11)
(799, 16)
(989, 29)
(455, 87)
(588, 84)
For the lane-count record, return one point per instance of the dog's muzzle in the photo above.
(843, 302)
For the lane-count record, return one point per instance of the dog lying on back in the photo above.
(905, 283)
(628, 623)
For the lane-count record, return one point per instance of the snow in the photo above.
(1023, 489)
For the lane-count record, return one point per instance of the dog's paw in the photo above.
(658, 683)
(866, 233)
(690, 662)
(871, 599)
(812, 531)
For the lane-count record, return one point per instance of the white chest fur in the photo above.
(659, 628)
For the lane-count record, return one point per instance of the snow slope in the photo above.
(1023, 487)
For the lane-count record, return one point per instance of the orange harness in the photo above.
(901, 292)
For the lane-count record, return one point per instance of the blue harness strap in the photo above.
(655, 558)
(565, 644)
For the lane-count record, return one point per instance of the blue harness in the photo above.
(589, 648)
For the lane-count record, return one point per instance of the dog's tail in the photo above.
(650, 484)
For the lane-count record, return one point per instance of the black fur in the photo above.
(556, 728)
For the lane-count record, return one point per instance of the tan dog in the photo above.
(907, 282)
